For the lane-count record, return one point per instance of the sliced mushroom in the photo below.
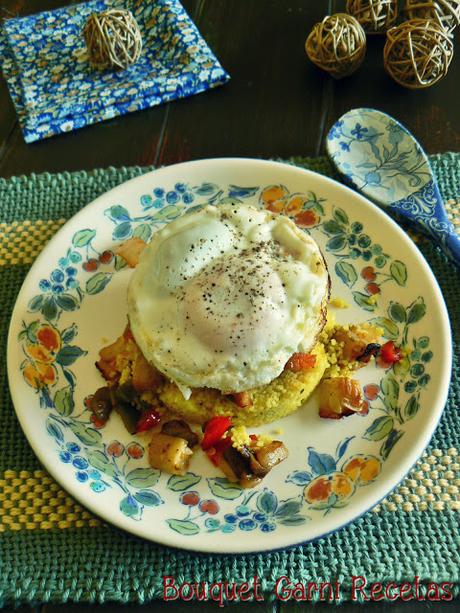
(248, 481)
(271, 455)
(178, 427)
(248, 467)
(238, 461)
(169, 453)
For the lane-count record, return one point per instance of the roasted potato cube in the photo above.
(111, 351)
(131, 250)
(355, 339)
(178, 427)
(169, 453)
(340, 397)
(145, 376)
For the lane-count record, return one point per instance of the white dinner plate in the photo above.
(73, 301)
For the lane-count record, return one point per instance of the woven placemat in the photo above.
(52, 550)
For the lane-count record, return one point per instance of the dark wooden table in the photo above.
(276, 105)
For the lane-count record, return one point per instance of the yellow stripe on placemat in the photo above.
(22, 241)
(34, 501)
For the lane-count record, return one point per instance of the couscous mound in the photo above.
(270, 402)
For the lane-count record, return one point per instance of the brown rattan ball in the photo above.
(376, 16)
(417, 53)
(337, 44)
(445, 12)
(113, 39)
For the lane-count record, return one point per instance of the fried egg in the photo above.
(223, 296)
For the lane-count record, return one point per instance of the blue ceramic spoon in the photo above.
(379, 157)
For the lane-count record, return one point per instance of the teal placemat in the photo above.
(52, 550)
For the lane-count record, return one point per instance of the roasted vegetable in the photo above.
(110, 352)
(145, 376)
(124, 401)
(340, 397)
(271, 455)
(169, 453)
(355, 339)
(235, 464)
(390, 353)
(101, 404)
(300, 361)
(178, 427)
(214, 430)
(238, 462)
(131, 250)
(246, 465)
(148, 420)
(108, 370)
(128, 413)
(242, 399)
(373, 349)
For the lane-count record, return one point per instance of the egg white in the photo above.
(222, 297)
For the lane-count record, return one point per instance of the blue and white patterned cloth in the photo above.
(55, 89)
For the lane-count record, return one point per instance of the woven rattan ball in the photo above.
(417, 53)
(445, 12)
(337, 44)
(113, 39)
(376, 16)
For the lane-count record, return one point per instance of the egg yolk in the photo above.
(234, 304)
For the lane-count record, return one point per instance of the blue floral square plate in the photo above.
(55, 89)
(73, 302)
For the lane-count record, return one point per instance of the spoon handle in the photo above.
(425, 210)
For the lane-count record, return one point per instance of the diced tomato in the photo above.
(300, 361)
(253, 437)
(148, 420)
(242, 399)
(390, 353)
(214, 430)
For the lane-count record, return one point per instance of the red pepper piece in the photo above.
(148, 420)
(214, 430)
(300, 361)
(390, 353)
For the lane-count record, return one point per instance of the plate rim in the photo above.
(386, 484)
